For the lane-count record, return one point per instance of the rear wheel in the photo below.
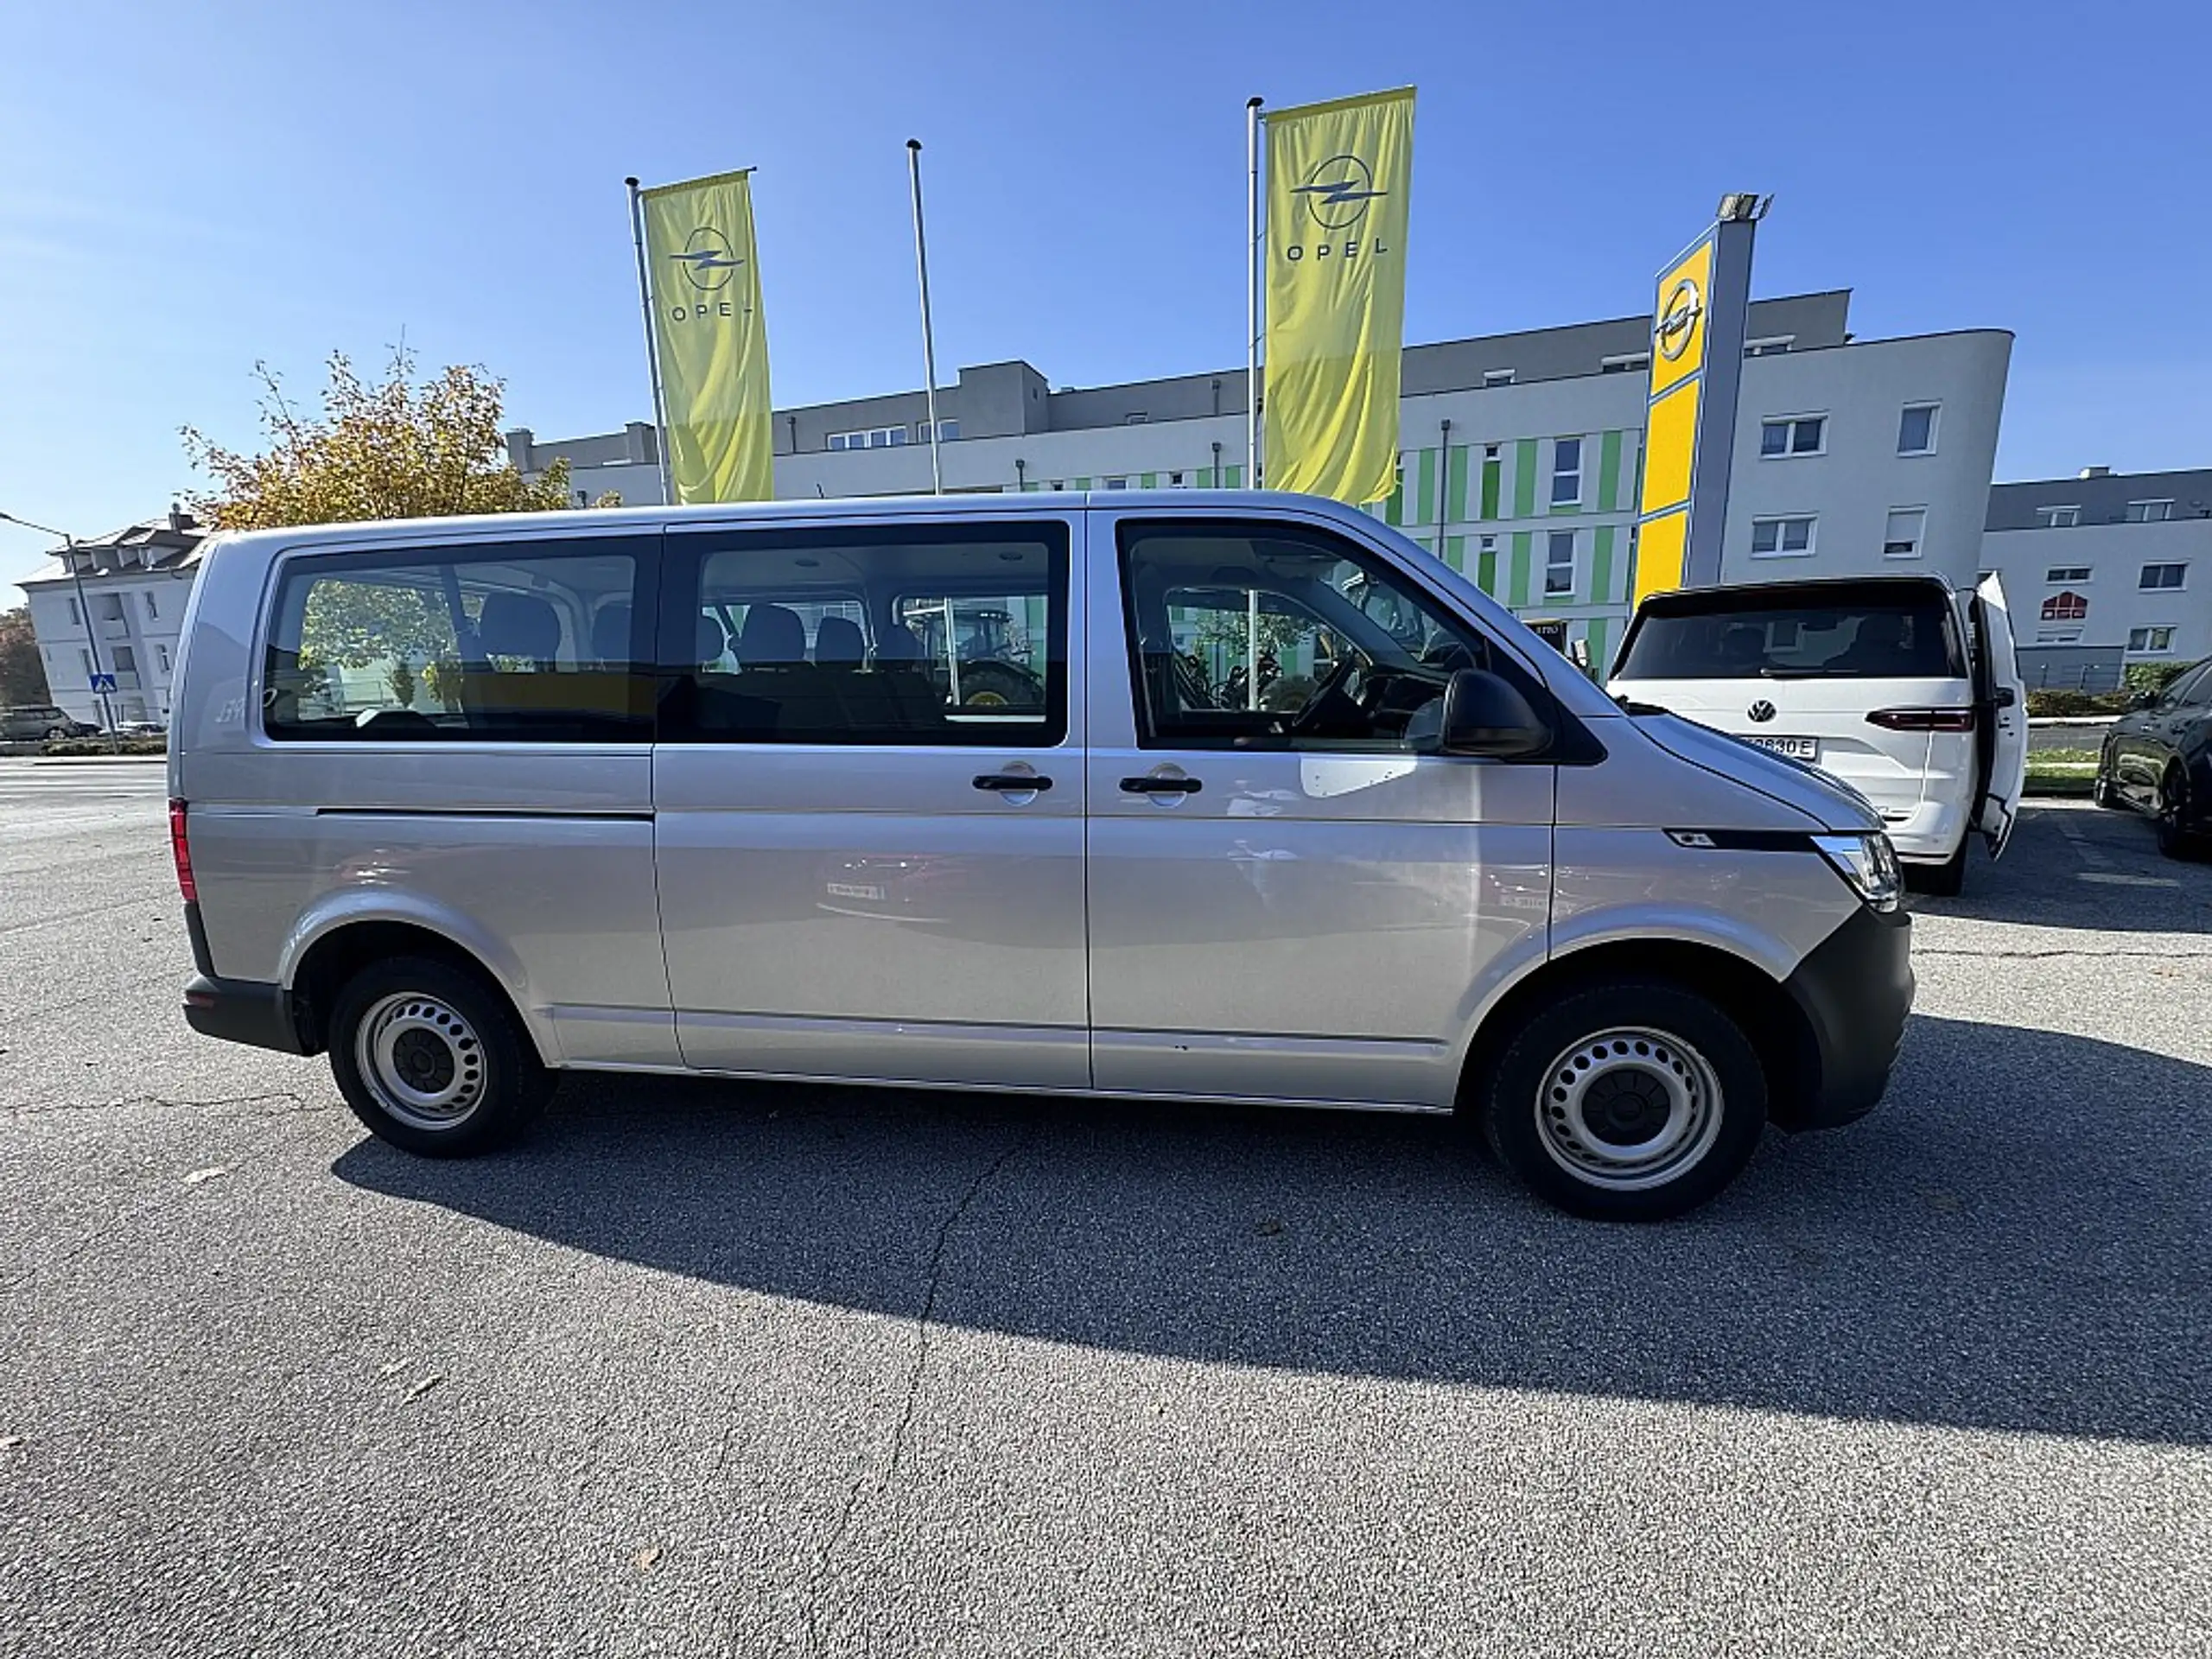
(1627, 1100)
(2179, 837)
(1944, 880)
(433, 1060)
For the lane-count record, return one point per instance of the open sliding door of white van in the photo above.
(2001, 733)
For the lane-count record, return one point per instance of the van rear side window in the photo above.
(1741, 636)
(542, 642)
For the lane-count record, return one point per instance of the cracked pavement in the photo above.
(762, 1371)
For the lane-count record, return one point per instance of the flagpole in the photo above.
(652, 350)
(929, 341)
(1252, 293)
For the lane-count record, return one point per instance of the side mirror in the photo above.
(1483, 715)
(2143, 700)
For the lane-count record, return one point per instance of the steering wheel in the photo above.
(1304, 721)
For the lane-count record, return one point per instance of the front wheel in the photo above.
(432, 1059)
(1627, 1100)
(2178, 835)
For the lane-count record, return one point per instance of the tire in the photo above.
(989, 685)
(1635, 1047)
(476, 1083)
(2176, 838)
(1944, 880)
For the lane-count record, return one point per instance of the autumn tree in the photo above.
(22, 675)
(393, 447)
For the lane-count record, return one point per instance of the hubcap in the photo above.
(422, 1061)
(1629, 1109)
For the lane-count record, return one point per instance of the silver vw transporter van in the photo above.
(1202, 796)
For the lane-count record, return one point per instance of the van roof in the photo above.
(1812, 590)
(823, 510)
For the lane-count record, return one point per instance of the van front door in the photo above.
(1288, 900)
(869, 837)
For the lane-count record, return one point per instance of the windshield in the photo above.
(1734, 638)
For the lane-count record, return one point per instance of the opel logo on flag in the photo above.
(708, 258)
(1761, 711)
(1337, 192)
(1678, 319)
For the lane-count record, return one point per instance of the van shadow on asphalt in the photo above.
(2012, 1241)
(2070, 867)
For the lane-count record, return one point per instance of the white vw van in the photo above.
(1208, 797)
(1905, 689)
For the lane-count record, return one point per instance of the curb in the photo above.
(101, 760)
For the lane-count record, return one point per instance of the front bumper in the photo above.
(242, 1011)
(1855, 990)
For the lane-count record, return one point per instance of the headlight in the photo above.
(1869, 863)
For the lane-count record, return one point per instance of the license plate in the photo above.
(853, 890)
(1797, 749)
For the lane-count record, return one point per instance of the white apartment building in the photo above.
(135, 583)
(2105, 569)
(1521, 454)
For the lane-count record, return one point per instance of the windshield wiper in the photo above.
(1773, 673)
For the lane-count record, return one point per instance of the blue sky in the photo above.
(186, 189)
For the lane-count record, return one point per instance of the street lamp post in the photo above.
(84, 610)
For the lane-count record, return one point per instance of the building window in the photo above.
(1625, 364)
(1174, 480)
(1781, 538)
(2057, 518)
(2149, 512)
(2067, 606)
(76, 615)
(2162, 576)
(1794, 434)
(1902, 536)
(2151, 642)
(1916, 430)
(1772, 346)
(1490, 452)
(110, 607)
(86, 656)
(161, 657)
(126, 660)
(1558, 564)
(1488, 544)
(2065, 636)
(2067, 573)
(1567, 473)
(946, 431)
(878, 438)
(1497, 376)
(153, 607)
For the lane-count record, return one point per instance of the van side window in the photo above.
(532, 642)
(930, 634)
(1271, 637)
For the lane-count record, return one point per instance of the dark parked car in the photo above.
(28, 722)
(2157, 758)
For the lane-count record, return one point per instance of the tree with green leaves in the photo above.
(22, 675)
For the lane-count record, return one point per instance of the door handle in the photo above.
(1161, 785)
(1009, 783)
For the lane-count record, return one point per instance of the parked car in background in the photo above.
(1901, 687)
(27, 722)
(2157, 758)
(142, 729)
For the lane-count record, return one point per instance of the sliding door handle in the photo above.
(1009, 783)
(1161, 785)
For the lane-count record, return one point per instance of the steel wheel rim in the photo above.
(421, 1059)
(1629, 1109)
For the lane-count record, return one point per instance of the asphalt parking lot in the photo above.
(711, 1368)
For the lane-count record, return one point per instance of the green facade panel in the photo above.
(1524, 477)
(1517, 591)
(1455, 552)
(1491, 470)
(1486, 571)
(1425, 496)
(1608, 468)
(1455, 484)
(1149, 480)
(1601, 564)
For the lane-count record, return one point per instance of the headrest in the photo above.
(772, 634)
(519, 624)
(898, 645)
(710, 640)
(839, 640)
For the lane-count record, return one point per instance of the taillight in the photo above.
(181, 848)
(1924, 720)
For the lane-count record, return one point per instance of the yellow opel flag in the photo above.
(711, 339)
(1338, 179)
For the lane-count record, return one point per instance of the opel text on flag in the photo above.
(711, 339)
(1338, 178)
